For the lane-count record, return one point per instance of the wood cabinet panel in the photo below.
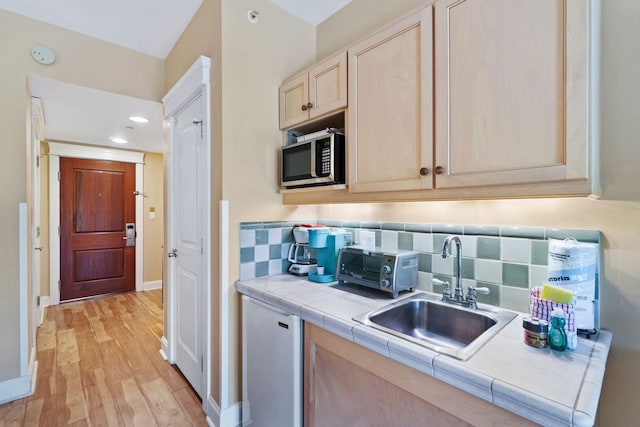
(348, 385)
(328, 85)
(314, 93)
(390, 134)
(294, 93)
(505, 92)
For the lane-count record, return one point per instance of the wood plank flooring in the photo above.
(99, 365)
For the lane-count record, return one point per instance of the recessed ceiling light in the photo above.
(138, 119)
(118, 140)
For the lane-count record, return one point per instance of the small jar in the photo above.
(535, 332)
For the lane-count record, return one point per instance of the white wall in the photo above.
(256, 58)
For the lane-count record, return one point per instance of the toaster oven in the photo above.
(390, 272)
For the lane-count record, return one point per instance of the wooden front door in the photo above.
(97, 202)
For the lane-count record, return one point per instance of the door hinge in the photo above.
(38, 232)
(59, 285)
(38, 301)
(201, 246)
(202, 363)
(38, 161)
(59, 176)
(59, 231)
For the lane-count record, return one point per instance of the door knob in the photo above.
(439, 170)
(173, 254)
(39, 248)
(424, 171)
(304, 108)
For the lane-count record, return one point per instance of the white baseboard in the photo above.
(33, 370)
(15, 388)
(20, 387)
(216, 417)
(152, 285)
(45, 301)
(164, 348)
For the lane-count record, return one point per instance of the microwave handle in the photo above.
(313, 159)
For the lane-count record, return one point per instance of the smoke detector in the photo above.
(43, 55)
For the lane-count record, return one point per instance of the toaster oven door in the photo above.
(360, 267)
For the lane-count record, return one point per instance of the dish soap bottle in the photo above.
(557, 337)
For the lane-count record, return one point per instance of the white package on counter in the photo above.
(367, 239)
(573, 266)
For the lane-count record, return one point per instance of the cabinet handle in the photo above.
(309, 106)
(439, 170)
(424, 171)
(304, 108)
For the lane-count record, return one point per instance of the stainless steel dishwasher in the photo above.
(271, 366)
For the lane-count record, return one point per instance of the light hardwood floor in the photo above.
(99, 365)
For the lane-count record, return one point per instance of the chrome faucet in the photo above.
(446, 252)
(458, 295)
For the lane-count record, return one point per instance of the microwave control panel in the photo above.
(325, 157)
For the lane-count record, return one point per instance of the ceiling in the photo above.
(148, 26)
(84, 115)
(312, 11)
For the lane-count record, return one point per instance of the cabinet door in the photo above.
(294, 97)
(390, 107)
(511, 88)
(349, 385)
(328, 85)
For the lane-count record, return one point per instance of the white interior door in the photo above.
(187, 250)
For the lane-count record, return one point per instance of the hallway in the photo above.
(99, 364)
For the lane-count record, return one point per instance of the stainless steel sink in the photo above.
(425, 320)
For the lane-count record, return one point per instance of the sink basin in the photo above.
(446, 328)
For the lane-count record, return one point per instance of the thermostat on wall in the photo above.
(43, 55)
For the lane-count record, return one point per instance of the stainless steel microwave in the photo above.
(316, 159)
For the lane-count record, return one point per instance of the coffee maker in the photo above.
(300, 254)
(327, 245)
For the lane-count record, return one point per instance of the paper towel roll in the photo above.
(573, 266)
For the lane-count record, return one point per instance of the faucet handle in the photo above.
(471, 292)
(439, 282)
(446, 288)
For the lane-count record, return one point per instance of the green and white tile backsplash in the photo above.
(507, 260)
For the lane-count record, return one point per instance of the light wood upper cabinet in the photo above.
(314, 93)
(492, 98)
(511, 91)
(390, 132)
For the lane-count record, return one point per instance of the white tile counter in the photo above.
(543, 385)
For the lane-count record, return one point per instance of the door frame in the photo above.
(37, 135)
(194, 83)
(59, 149)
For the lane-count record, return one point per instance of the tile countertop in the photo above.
(542, 385)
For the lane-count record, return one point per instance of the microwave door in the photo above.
(296, 164)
